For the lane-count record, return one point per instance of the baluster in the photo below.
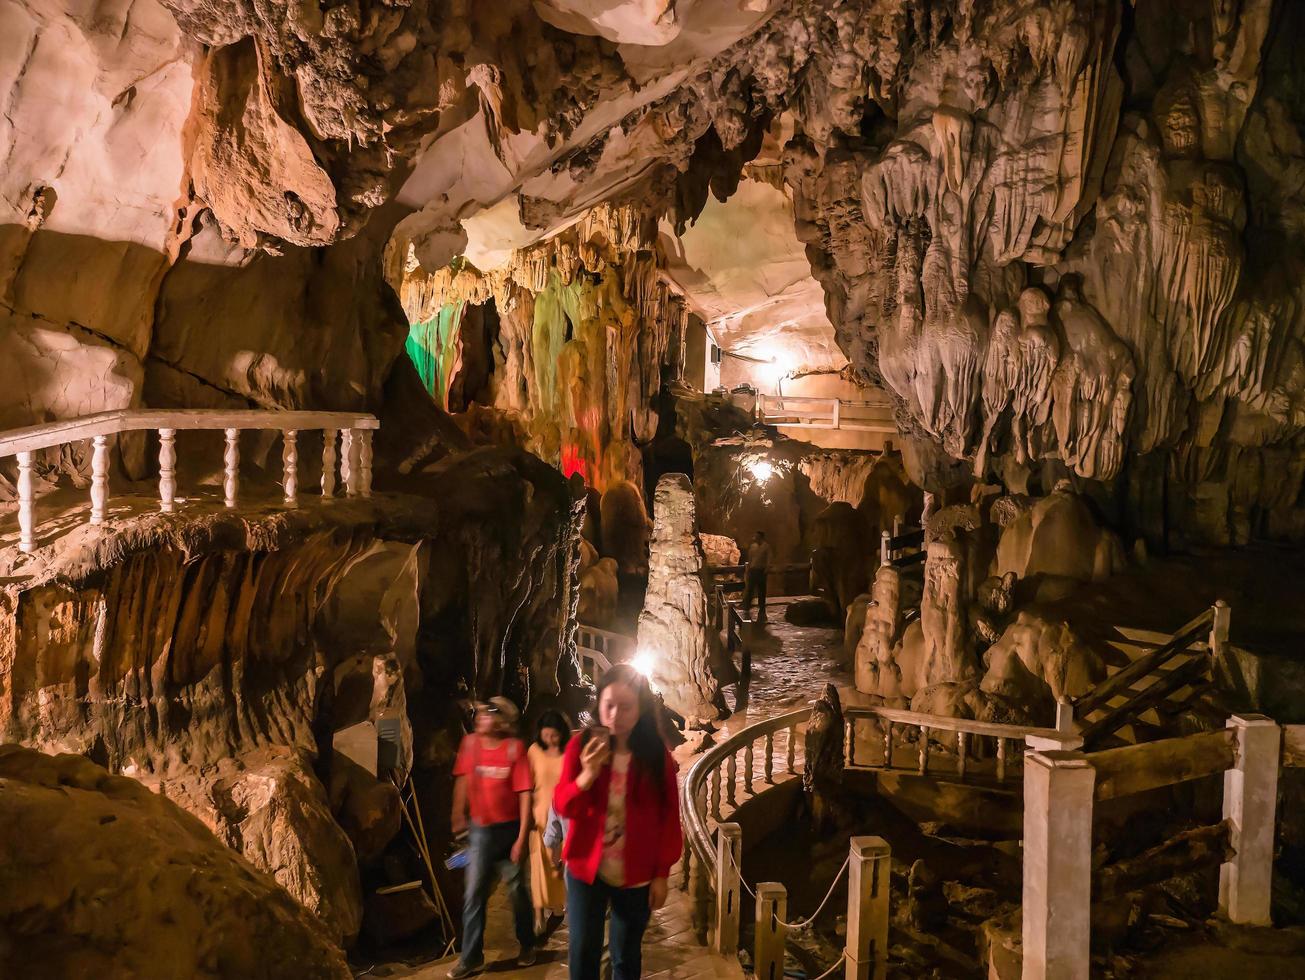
(888, 744)
(731, 777)
(231, 468)
(365, 462)
(167, 470)
(1001, 760)
(26, 505)
(850, 735)
(748, 767)
(960, 754)
(328, 462)
(924, 750)
(770, 757)
(349, 462)
(99, 478)
(290, 466)
(792, 748)
(715, 794)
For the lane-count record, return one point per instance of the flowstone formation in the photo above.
(673, 624)
(104, 878)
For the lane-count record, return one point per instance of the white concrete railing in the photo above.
(1061, 789)
(713, 781)
(355, 452)
(826, 413)
(597, 649)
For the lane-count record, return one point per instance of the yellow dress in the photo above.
(547, 888)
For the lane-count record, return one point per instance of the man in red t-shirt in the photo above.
(492, 774)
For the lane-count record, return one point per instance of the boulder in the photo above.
(102, 878)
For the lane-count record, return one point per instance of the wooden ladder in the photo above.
(1168, 680)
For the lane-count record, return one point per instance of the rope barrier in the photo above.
(837, 963)
(804, 923)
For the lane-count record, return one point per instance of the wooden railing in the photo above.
(893, 545)
(826, 413)
(355, 452)
(1062, 788)
(1138, 696)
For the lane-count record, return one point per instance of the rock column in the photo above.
(673, 624)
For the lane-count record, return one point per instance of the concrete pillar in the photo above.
(771, 932)
(729, 856)
(1058, 789)
(866, 956)
(1250, 799)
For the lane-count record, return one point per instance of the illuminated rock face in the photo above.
(673, 624)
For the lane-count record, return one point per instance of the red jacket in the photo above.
(652, 821)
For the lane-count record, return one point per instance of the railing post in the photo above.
(731, 776)
(365, 462)
(866, 955)
(715, 794)
(924, 750)
(328, 462)
(1058, 788)
(898, 523)
(348, 462)
(1065, 740)
(885, 548)
(231, 468)
(1219, 631)
(99, 478)
(749, 760)
(888, 744)
(792, 749)
(770, 757)
(290, 466)
(167, 470)
(960, 754)
(850, 736)
(1001, 760)
(26, 505)
(1250, 798)
(771, 932)
(729, 855)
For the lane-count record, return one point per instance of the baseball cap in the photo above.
(502, 707)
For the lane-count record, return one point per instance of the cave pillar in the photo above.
(1058, 788)
(673, 625)
(1250, 799)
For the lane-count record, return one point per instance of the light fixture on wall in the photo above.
(760, 469)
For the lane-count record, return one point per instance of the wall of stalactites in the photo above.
(585, 325)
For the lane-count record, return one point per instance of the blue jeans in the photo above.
(586, 913)
(490, 852)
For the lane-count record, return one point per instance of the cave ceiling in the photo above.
(1051, 229)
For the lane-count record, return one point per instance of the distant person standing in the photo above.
(547, 888)
(493, 781)
(755, 576)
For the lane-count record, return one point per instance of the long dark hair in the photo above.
(558, 722)
(647, 744)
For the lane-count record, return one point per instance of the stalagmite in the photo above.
(673, 624)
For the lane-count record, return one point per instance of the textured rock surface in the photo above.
(673, 624)
(104, 878)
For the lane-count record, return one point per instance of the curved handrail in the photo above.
(695, 823)
(694, 817)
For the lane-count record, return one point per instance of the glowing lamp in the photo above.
(760, 470)
(642, 661)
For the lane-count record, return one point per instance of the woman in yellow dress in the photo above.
(547, 887)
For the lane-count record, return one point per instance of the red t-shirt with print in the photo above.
(494, 778)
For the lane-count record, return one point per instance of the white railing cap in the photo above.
(50, 434)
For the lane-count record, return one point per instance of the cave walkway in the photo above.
(790, 666)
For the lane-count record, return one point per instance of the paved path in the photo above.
(790, 666)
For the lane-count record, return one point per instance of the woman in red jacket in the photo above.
(618, 790)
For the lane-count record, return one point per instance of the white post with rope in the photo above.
(869, 863)
(729, 857)
(771, 932)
